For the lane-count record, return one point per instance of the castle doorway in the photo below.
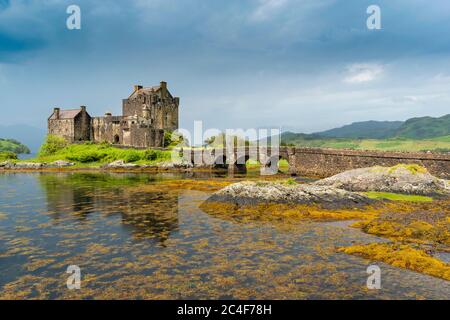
(116, 139)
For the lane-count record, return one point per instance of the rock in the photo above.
(27, 165)
(175, 165)
(249, 192)
(409, 179)
(120, 164)
(60, 164)
(5, 164)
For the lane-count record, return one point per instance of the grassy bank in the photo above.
(439, 144)
(94, 155)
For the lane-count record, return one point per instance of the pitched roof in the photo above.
(66, 114)
(145, 90)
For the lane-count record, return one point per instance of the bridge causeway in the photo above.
(313, 162)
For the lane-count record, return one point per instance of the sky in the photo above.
(298, 65)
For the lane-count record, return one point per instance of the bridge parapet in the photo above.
(315, 161)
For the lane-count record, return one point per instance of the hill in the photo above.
(425, 127)
(415, 128)
(365, 129)
(30, 136)
(12, 145)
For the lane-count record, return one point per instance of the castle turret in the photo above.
(56, 111)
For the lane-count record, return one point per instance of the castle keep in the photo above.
(146, 114)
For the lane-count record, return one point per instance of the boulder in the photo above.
(250, 192)
(60, 164)
(4, 164)
(409, 179)
(120, 164)
(27, 165)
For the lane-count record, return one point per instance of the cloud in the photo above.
(267, 8)
(363, 72)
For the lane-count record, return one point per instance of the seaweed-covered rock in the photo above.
(409, 179)
(249, 192)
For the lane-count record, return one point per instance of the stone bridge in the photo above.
(312, 162)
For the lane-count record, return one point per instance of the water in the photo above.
(145, 237)
(24, 156)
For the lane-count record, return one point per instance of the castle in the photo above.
(146, 114)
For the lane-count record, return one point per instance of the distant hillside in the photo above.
(425, 127)
(13, 146)
(366, 129)
(415, 128)
(417, 134)
(30, 136)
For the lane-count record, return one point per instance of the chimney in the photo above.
(56, 112)
(83, 108)
(137, 87)
(163, 86)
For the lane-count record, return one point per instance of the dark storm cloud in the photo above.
(307, 64)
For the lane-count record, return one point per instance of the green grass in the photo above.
(439, 144)
(94, 155)
(397, 197)
(7, 155)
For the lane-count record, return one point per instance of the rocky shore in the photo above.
(9, 165)
(248, 193)
(116, 165)
(342, 190)
(406, 179)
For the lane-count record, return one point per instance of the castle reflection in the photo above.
(146, 211)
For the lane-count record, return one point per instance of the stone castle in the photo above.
(146, 114)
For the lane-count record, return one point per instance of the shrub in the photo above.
(86, 156)
(52, 145)
(132, 156)
(8, 155)
(150, 155)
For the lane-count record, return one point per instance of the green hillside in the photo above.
(12, 145)
(415, 128)
(365, 129)
(425, 127)
(438, 144)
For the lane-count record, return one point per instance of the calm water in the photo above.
(144, 236)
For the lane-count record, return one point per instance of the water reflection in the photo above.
(145, 236)
(149, 214)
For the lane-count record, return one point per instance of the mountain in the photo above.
(425, 127)
(365, 129)
(30, 136)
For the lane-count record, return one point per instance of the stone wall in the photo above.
(107, 129)
(82, 126)
(320, 163)
(63, 128)
(163, 108)
(144, 137)
(327, 162)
